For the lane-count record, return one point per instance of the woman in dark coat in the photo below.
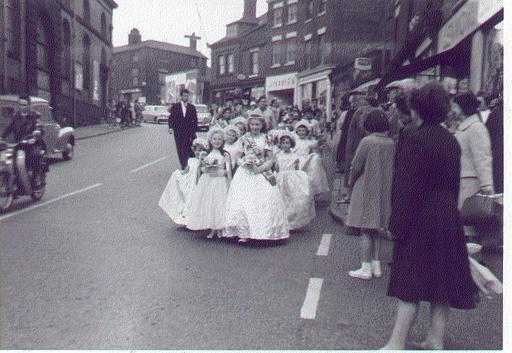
(430, 260)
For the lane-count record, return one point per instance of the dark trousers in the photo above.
(184, 149)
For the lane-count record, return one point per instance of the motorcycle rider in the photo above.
(22, 125)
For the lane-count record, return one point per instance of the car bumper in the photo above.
(203, 127)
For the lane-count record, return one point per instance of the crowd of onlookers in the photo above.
(124, 113)
(409, 167)
(276, 115)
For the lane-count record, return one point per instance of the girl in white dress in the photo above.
(310, 160)
(255, 207)
(208, 199)
(232, 146)
(294, 184)
(241, 123)
(174, 198)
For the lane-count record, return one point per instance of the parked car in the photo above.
(155, 114)
(58, 139)
(204, 118)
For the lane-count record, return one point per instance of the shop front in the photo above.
(467, 53)
(283, 88)
(245, 93)
(316, 85)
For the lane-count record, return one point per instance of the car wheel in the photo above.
(69, 152)
(6, 197)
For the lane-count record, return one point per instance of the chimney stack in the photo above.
(250, 9)
(193, 41)
(134, 37)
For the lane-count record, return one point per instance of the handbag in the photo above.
(478, 209)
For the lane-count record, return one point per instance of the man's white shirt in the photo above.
(184, 108)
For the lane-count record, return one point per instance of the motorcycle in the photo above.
(15, 178)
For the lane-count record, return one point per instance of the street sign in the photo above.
(363, 64)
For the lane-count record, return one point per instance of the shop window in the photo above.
(222, 65)
(493, 64)
(66, 50)
(255, 62)
(231, 63)
(13, 28)
(292, 13)
(291, 49)
(278, 17)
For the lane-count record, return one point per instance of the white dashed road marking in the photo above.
(323, 249)
(148, 165)
(46, 203)
(308, 310)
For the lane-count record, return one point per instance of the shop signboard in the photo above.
(281, 82)
(461, 25)
(363, 64)
(487, 9)
(469, 18)
(257, 92)
(175, 82)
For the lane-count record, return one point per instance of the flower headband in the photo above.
(232, 127)
(286, 133)
(302, 123)
(213, 131)
(200, 142)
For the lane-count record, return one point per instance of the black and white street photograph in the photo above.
(252, 175)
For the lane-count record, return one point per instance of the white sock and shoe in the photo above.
(376, 270)
(365, 272)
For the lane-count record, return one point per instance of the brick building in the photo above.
(237, 59)
(139, 68)
(298, 43)
(329, 33)
(58, 50)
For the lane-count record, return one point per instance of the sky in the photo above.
(170, 20)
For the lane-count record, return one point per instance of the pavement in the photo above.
(97, 264)
(85, 132)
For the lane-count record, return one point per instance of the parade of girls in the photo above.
(253, 178)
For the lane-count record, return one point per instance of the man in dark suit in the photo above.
(183, 121)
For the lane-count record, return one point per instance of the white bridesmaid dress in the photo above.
(315, 170)
(296, 192)
(174, 198)
(255, 208)
(207, 202)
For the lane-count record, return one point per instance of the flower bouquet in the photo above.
(255, 157)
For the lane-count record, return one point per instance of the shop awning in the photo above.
(458, 29)
(365, 86)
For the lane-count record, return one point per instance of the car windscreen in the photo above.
(161, 109)
(202, 109)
